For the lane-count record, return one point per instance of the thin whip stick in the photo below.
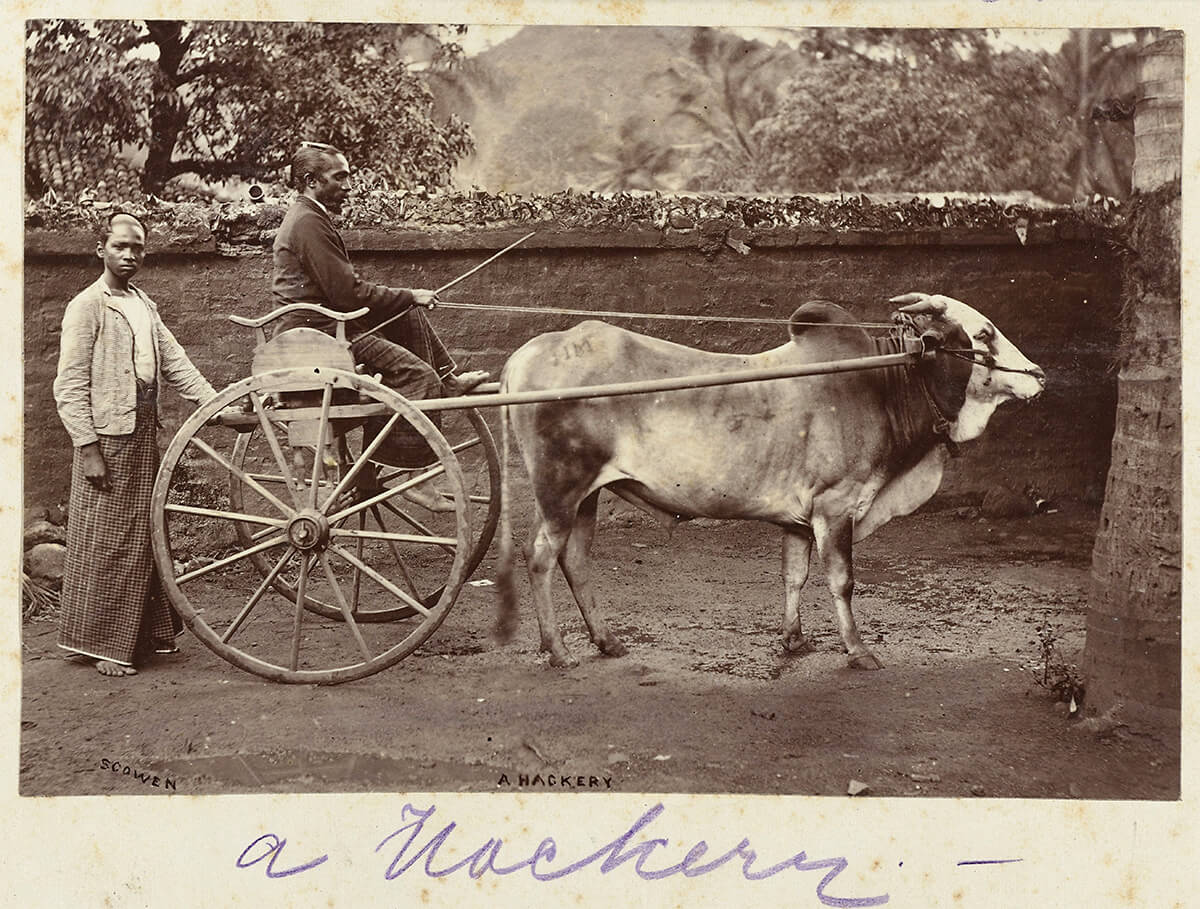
(450, 284)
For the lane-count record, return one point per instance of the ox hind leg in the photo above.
(797, 550)
(541, 555)
(576, 563)
(835, 542)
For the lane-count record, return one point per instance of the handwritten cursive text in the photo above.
(415, 843)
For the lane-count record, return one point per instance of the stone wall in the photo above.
(1054, 295)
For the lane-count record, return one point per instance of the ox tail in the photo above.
(506, 610)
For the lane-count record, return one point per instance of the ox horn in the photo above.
(918, 304)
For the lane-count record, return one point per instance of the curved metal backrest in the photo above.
(340, 317)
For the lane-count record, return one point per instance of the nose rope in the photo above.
(979, 358)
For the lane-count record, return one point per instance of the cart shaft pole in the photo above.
(680, 383)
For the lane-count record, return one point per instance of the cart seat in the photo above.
(302, 348)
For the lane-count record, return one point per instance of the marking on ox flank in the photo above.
(570, 352)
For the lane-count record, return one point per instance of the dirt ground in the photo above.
(705, 701)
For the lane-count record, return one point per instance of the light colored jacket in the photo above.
(96, 387)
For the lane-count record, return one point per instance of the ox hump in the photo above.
(821, 321)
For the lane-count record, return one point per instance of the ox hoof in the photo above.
(612, 648)
(797, 644)
(565, 661)
(865, 661)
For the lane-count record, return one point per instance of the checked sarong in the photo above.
(111, 595)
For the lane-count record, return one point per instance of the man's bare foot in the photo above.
(104, 667)
(465, 382)
(109, 668)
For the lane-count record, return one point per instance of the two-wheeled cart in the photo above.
(351, 558)
(299, 542)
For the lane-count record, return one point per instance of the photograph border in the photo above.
(331, 849)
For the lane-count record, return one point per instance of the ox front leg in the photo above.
(835, 543)
(576, 564)
(797, 550)
(540, 557)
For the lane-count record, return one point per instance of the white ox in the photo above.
(828, 458)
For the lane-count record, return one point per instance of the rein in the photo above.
(602, 314)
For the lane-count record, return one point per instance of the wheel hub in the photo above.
(308, 530)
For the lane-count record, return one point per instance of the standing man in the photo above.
(115, 352)
(311, 266)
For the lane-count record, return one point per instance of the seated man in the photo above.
(310, 265)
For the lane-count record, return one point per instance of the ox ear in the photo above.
(920, 304)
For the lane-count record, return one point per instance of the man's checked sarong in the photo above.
(111, 594)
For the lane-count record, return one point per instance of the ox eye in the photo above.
(985, 334)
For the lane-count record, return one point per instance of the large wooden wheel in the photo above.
(315, 528)
(472, 443)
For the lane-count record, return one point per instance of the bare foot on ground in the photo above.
(109, 668)
(104, 667)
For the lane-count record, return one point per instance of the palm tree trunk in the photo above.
(1132, 654)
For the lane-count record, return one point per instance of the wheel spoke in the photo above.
(345, 607)
(293, 484)
(399, 559)
(358, 551)
(388, 493)
(258, 535)
(267, 477)
(361, 461)
(388, 535)
(382, 581)
(228, 515)
(241, 475)
(256, 596)
(405, 516)
(229, 560)
(301, 590)
(318, 471)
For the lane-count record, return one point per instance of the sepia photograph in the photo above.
(643, 409)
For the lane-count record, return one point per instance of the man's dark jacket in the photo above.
(311, 266)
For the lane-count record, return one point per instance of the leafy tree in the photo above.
(639, 161)
(915, 46)
(724, 86)
(909, 109)
(1098, 82)
(941, 114)
(222, 98)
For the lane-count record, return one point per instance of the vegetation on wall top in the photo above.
(455, 211)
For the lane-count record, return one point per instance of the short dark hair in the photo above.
(308, 159)
(105, 228)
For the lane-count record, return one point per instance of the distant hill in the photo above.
(545, 103)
